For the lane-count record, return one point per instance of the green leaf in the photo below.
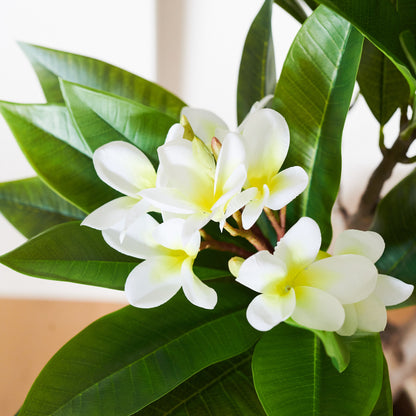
(313, 94)
(384, 405)
(78, 254)
(32, 207)
(381, 23)
(132, 357)
(222, 389)
(102, 117)
(293, 8)
(381, 83)
(42, 132)
(395, 220)
(293, 376)
(257, 75)
(408, 42)
(50, 65)
(69, 252)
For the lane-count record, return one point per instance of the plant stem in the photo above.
(275, 224)
(259, 242)
(209, 242)
(397, 153)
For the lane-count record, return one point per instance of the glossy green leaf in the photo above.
(69, 252)
(313, 94)
(384, 405)
(222, 389)
(102, 117)
(380, 22)
(293, 376)
(381, 83)
(31, 207)
(395, 220)
(74, 253)
(49, 141)
(408, 42)
(257, 75)
(293, 8)
(50, 65)
(130, 358)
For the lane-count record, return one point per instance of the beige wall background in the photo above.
(191, 47)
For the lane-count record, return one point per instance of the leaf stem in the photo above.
(259, 242)
(211, 243)
(275, 224)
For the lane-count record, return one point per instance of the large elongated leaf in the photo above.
(130, 358)
(50, 65)
(103, 117)
(313, 94)
(293, 376)
(32, 207)
(257, 76)
(380, 21)
(293, 8)
(384, 405)
(395, 220)
(42, 132)
(70, 252)
(381, 83)
(222, 389)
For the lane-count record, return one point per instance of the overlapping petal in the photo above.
(392, 291)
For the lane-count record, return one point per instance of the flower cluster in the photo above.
(208, 172)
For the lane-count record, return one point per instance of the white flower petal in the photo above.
(205, 124)
(371, 315)
(267, 311)
(240, 200)
(317, 309)
(348, 277)
(196, 291)
(169, 234)
(265, 134)
(191, 228)
(124, 167)
(175, 133)
(138, 239)
(286, 186)
(364, 243)
(392, 291)
(169, 199)
(260, 270)
(254, 208)
(153, 282)
(110, 214)
(300, 245)
(350, 324)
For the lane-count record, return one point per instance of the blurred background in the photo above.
(192, 48)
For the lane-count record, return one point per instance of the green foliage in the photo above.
(315, 99)
(384, 405)
(395, 220)
(222, 389)
(102, 117)
(381, 83)
(50, 65)
(65, 169)
(292, 375)
(384, 30)
(32, 207)
(294, 8)
(257, 75)
(130, 358)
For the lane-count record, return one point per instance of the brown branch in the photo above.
(223, 246)
(275, 224)
(259, 242)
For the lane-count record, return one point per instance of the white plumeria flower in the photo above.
(191, 185)
(265, 135)
(167, 264)
(126, 169)
(293, 284)
(369, 315)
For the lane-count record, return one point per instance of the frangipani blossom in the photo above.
(167, 264)
(127, 169)
(293, 284)
(369, 315)
(190, 184)
(265, 135)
